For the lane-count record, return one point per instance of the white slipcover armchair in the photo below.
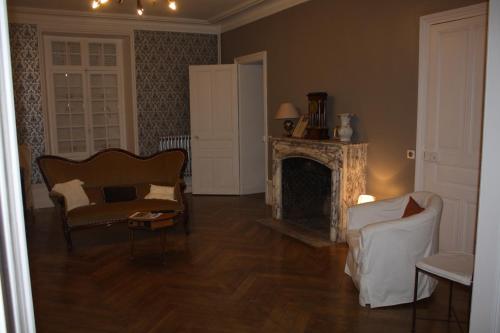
(384, 248)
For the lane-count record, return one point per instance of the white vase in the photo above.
(345, 131)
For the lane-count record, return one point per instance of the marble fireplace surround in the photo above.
(347, 163)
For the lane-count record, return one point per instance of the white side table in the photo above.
(452, 266)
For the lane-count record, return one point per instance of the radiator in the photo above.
(178, 141)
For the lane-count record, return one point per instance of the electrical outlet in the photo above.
(410, 154)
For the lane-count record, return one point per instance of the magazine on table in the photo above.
(144, 216)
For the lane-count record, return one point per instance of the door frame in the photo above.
(249, 59)
(485, 312)
(423, 74)
(15, 282)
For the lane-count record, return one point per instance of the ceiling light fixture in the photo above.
(96, 4)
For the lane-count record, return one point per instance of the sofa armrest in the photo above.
(179, 188)
(59, 202)
(182, 185)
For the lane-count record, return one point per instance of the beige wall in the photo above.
(365, 55)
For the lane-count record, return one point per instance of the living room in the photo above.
(230, 265)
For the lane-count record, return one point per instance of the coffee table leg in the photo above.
(131, 244)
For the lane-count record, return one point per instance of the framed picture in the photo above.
(300, 128)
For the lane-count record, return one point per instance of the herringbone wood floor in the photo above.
(230, 275)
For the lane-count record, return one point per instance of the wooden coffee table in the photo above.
(160, 223)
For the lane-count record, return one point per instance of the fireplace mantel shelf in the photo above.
(347, 162)
(315, 142)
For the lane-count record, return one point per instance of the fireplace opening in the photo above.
(306, 193)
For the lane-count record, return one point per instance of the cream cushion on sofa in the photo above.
(73, 193)
(161, 192)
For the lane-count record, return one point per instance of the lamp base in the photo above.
(289, 127)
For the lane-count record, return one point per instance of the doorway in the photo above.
(252, 104)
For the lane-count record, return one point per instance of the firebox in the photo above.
(306, 191)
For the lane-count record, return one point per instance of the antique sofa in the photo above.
(115, 168)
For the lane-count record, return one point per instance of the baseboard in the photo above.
(41, 196)
(269, 192)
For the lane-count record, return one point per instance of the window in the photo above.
(85, 95)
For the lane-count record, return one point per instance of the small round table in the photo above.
(160, 223)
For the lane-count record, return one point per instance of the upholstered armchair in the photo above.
(384, 248)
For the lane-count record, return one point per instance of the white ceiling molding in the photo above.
(235, 10)
(76, 21)
(62, 20)
(257, 12)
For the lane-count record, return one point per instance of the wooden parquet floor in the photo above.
(230, 275)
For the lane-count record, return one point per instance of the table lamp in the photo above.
(288, 112)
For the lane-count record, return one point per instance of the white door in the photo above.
(214, 129)
(452, 133)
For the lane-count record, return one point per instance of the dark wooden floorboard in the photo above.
(230, 275)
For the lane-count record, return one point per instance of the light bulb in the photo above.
(364, 198)
(172, 5)
(96, 4)
(104, 1)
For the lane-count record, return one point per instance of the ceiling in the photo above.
(207, 10)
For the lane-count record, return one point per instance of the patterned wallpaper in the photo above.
(162, 72)
(27, 90)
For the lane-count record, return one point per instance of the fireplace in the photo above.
(332, 172)
(306, 193)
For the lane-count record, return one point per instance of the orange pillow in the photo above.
(412, 208)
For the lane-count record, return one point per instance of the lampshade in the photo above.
(286, 111)
(364, 198)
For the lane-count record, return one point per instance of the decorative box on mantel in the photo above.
(347, 163)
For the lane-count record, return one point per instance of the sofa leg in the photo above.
(185, 216)
(69, 242)
(67, 236)
(186, 223)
